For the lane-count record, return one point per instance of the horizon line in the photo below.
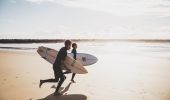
(78, 40)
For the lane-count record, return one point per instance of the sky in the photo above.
(85, 19)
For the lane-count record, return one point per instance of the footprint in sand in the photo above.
(34, 83)
(132, 91)
(11, 86)
(4, 79)
(143, 97)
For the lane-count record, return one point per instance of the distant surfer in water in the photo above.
(74, 51)
(58, 73)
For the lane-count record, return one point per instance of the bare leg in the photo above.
(62, 78)
(50, 80)
(72, 79)
(47, 80)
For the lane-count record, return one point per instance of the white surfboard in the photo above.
(50, 55)
(85, 59)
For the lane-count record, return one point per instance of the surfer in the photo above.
(74, 51)
(58, 73)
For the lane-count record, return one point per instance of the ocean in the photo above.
(152, 49)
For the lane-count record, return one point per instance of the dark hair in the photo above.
(67, 42)
(74, 44)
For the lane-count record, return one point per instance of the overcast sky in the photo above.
(84, 18)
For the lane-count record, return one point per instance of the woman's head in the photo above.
(74, 45)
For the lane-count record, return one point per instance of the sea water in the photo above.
(140, 48)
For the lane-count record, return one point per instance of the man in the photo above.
(58, 73)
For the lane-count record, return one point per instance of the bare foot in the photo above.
(57, 94)
(41, 82)
(73, 81)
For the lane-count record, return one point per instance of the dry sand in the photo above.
(122, 77)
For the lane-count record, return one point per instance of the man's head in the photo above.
(74, 45)
(67, 44)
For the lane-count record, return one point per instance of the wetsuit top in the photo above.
(61, 56)
(74, 53)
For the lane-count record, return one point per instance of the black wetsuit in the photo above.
(56, 66)
(58, 73)
(74, 53)
(74, 56)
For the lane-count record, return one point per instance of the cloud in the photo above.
(117, 7)
(164, 5)
(149, 17)
(13, 1)
(41, 1)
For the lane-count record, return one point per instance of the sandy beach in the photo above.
(116, 76)
(129, 38)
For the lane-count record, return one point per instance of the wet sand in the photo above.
(115, 76)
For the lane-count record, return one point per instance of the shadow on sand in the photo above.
(65, 97)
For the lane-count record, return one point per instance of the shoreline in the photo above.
(12, 41)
